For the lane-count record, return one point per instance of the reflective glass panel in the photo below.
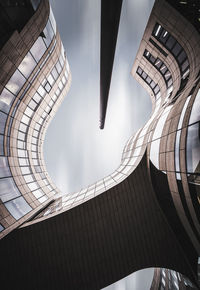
(4, 167)
(18, 207)
(3, 118)
(193, 148)
(6, 99)
(38, 49)
(27, 65)
(195, 113)
(8, 189)
(16, 82)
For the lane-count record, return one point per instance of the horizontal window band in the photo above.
(158, 47)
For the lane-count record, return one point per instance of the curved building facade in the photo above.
(146, 213)
(35, 77)
(168, 279)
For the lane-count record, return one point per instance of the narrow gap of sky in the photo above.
(77, 153)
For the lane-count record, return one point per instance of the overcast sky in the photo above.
(77, 153)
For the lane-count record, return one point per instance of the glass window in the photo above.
(160, 124)
(176, 49)
(64, 80)
(144, 75)
(28, 178)
(139, 70)
(23, 127)
(34, 148)
(156, 89)
(170, 42)
(27, 65)
(37, 193)
(169, 83)
(158, 63)
(4, 167)
(23, 161)
(50, 79)
(37, 127)
(167, 75)
(180, 123)
(152, 84)
(185, 65)
(61, 60)
(163, 36)
(16, 82)
(1, 228)
(44, 114)
(38, 49)
(47, 109)
(163, 69)
(177, 144)
(34, 155)
(59, 68)
(25, 170)
(1, 145)
(8, 189)
(21, 136)
(67, 69)
(21, 144)
(34, 140)
(62, 52)
(41, 91)
(37, 98)
(148, 80)
(52, 19)
(32, 104)
(22, 153)
(29, 112)
(42, 175)
(25, 119)
(157, 29)
(60, 85)
(152, 59)
(35, 162)
(38, 169)
(154, 153)
(186, 74)
(33, 185)
(47, 87)
(57, 91)
(193, 148)
(54, 98)
(195, 112)
(18, 207)
(48, 32)
(3, 118)
(54, 73)
(182, 56)
(35, 133)
(6, 99)
(51, 103)
(42, 199)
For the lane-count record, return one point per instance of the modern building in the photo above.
(35, 77)
(146, 213)
(168, 279)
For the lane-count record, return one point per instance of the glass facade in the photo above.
(26, 104)
(175, 48)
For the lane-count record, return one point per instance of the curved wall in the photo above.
(35, 77)
(146, 213)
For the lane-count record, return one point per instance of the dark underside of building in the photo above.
(109, 237)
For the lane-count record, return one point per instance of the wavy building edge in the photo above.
(167, 66)
(30, 97)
